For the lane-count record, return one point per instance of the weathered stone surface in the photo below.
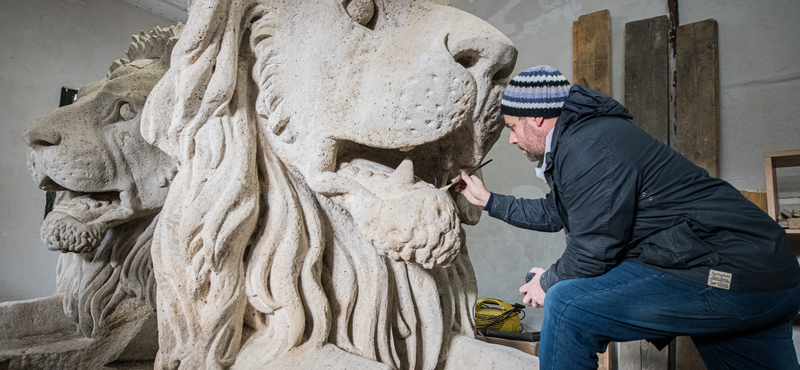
(287, 239)
(111, 185)
(42, 337)
(469, 353)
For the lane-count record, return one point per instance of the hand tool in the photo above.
(446, 187)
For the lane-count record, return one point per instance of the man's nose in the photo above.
(512, 139)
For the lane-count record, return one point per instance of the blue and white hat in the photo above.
(536, 92)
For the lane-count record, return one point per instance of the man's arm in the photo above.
(532, 214)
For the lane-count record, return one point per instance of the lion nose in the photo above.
(41, 134)
(487, 58)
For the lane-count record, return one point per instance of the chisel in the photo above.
(446, 187)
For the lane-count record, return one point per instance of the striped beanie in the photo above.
(536, 92)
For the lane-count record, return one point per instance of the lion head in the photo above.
(110, 184)
(309, 137)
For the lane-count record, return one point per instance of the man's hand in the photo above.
(471, 187)
(532, 292)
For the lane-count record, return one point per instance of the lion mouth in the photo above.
(79, 220)
(407, 217)
(432, 165)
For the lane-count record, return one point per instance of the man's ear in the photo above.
(537, 121)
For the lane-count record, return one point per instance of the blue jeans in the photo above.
(732, 330)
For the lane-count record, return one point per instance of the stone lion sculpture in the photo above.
(303, 228)
(110, 185)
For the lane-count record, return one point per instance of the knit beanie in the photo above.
(536, 92)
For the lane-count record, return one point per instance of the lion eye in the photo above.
(127, 112)
(362, 11)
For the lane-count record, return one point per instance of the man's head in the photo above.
(530, 134)
(531, 105)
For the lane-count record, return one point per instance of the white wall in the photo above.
(759, 93)
(46, 45)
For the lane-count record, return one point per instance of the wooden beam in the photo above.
(647, 75)
(686, 355)
(784, 158)
(652, 358)
(674, 21)
(772, 188)
(640, 355)
(772, 161)
(591, 51)
(630, 357)
(697, 94)
(608, 359)
(696, 122)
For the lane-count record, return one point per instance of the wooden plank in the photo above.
(652, 358)
(591, 51)
(641, 355)
(531, 348)
(630, 356)
(696, 123)
(647, 75)
(758, 198)
(772, 188)
(697, 94)
(794, 238)
(686, 355)
(784, 158)
(608, 359)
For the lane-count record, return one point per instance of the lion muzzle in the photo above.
(77, 225)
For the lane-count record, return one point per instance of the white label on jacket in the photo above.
(719, 279)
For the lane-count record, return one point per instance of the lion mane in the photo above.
(251, 261)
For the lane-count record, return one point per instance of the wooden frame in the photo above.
(772, 161)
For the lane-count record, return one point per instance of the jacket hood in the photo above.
(584, 103)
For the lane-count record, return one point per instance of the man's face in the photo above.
(527, 136)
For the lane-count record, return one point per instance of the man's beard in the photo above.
(529, 144)
(533, 157)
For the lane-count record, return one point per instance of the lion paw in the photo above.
(62, 232)
(421, 227)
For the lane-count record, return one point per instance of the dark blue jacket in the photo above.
(620, 195)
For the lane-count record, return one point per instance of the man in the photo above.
(655, 246)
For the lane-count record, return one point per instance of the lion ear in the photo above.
(156, 115)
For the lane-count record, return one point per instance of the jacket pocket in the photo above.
(677, 247)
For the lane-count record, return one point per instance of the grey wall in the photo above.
(760, 103)
(46, 44)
